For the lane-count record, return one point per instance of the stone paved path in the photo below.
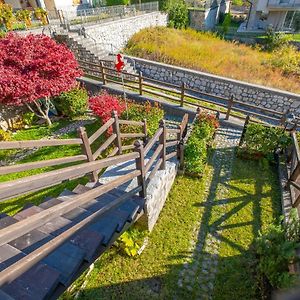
(199, 271)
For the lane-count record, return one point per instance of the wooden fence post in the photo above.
(182, 94)
(162, 141)
(86, 149)
(140, 165)
(103, 73)
(116, 130)
(145, 130)
(230, 103)
(141, 83)
(247, 120)
(181, 155)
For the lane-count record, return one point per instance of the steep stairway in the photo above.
(52, 275)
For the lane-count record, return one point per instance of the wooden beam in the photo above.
(105, 145)
(101, 130)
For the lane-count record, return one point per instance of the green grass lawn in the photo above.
(253, 202)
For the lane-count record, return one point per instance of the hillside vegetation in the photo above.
(208, 53)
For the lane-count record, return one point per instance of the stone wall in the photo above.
(197, 19)
(117, 33)
(249, 93)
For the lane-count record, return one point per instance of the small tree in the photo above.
(178, 15)
(33, 69)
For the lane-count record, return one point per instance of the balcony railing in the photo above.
(284, 4)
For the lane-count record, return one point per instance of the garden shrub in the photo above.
(117, 2)
(24, 15)
(261, 141)
(195, 151)
(276, 250)
(103, 105)
(4, 135)
(41, 14)
(286, 58)
(226, 23)
(6, 16)
(138, 112)
(178, 14)
(72, 103)
(28, 118)
(276, 40)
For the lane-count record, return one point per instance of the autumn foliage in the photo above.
(103, 105)
(35, 67)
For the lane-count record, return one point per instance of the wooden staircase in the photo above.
(49, 277)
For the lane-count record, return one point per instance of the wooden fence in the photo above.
(83, 140)
(144, 172)
(181, 94)
(293, 160)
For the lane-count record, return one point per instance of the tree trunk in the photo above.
(43, 114)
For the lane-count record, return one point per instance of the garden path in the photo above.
(200, 269)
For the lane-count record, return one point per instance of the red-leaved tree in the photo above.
(33, 69)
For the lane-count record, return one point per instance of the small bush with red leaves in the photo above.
(102, 105)
(209, 118)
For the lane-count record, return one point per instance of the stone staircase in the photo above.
(87, 49)
(52, 275)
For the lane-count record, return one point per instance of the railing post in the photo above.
(230, 103)
(140, 165)
(182, 94)
(86, 149)
(162, 141)
(140, 83)
(103, 73)
(145, 130)
(247, 120)
(116, 130)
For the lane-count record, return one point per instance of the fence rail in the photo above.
(30, 183)
(183, 95)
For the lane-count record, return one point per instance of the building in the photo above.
(50, 5)
(278, 14)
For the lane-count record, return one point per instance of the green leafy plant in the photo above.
(195, 151)
(275, 40)
(178, 14)
(226, 24)
(72, 103)
(4, 135)
(261, 141)
(131, 241)
(28, 118)
(276, 250)
(6, 16)
(139, 112)
(41, 14)
(24, 15)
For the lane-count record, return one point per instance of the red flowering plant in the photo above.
(209, 118)
(104, 104)
(34, 68)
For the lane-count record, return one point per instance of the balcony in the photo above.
(283, 5)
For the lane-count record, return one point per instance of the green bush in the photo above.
(261, 141)
(276, 40)
(287, 58)
(226, 23)
(28, 118)
(72, 103)
(138, 112)
(117, 2)
(178, 15)
(195, 151)
(276, 250)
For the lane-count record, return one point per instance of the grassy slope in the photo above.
(13, 205)
(254, 200)
(153, 275)
(204, 52)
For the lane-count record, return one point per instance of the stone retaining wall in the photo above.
(117, 33)
(249, 93)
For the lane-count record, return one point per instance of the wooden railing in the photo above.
(84, 141)
(293, 160)
(181, 94)
(143, 172)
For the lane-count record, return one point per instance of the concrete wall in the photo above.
(117, 33)
(249, 93)
(197, 19)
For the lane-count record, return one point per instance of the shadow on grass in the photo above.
(235, 219)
